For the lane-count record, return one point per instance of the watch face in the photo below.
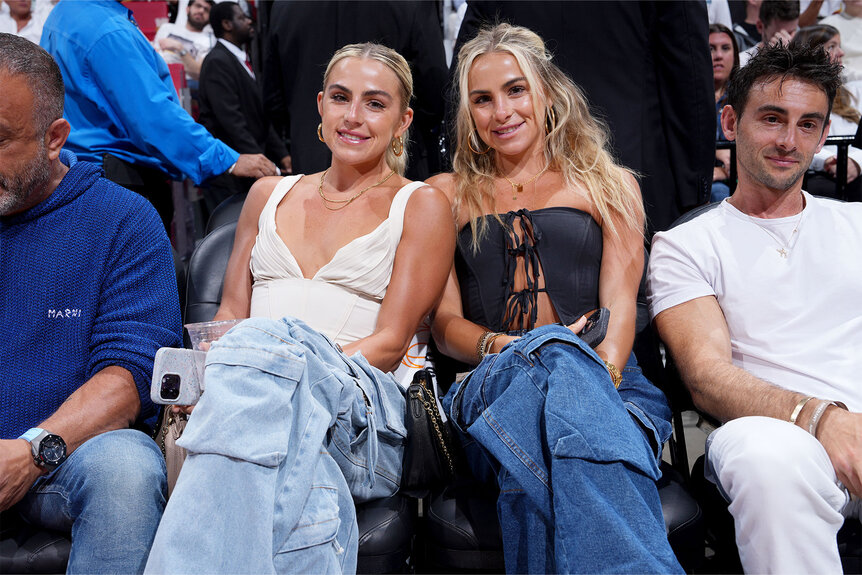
(52, 450)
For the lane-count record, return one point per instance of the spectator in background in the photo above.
(745, 28)
(302, 36)
(844, 121)
(777, 21)
(718, 12)
(849, 24)
(90, 270)
(189, 43)
(810, 11)
(657, 99)
(725, 59)
(21, 19)
(231, 102)
(124, 110)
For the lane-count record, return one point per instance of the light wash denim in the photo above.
(287, 434)
(576, 460)
(110, 493)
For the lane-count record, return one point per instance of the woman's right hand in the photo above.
(578, 326)
(178, 409)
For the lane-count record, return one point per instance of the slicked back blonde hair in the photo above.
(576, 145)
(395, 62)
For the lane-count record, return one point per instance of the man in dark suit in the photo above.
(645, 68)
(231, 102)
(303, 35)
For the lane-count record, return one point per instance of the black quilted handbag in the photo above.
(430, 451)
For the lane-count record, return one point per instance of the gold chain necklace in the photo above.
(518, 188)
(346, 202)
(785, 247)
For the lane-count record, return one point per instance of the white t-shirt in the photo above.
(796, 321)
(31, 31)
(198, 43)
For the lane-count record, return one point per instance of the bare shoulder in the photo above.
(445, 182)
(260, 192)
(429, 202)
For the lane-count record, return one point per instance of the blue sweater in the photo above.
(86, 282)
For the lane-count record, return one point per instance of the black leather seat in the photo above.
(226, 212)
(27, 549)
(386, 527)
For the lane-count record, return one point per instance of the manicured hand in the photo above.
(578, 326)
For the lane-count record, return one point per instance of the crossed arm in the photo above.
(697, 336)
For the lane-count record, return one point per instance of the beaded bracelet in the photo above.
(484, 343)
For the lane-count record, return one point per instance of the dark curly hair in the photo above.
(804, 63)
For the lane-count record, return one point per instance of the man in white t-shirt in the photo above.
(189, 43)
(759, 301)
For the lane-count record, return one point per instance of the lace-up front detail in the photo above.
(522, 248)
(540, 266)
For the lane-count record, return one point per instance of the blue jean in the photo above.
(576, 460)
(287, 434)
(110, 493)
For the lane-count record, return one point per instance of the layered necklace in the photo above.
(518, 188)
(348, 201)
(784, 247)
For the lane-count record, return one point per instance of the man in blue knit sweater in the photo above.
(88, 295)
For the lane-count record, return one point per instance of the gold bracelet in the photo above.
(487, 349)
(616, 376)
(480, 345)
(798, 409)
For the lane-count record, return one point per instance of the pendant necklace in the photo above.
(784, 248)
(518, 188)
(327, 201)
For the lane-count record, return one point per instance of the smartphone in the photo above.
(178, 376)
(596, 327)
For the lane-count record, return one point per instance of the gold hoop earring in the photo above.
(552, 119)
(399, 149)
(320, 132)
(472, 149)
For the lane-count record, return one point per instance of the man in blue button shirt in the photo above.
(124, 110)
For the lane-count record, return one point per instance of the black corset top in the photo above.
(562, 245)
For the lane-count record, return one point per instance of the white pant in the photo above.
(785, 498)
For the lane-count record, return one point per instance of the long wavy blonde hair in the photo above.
(576, 144)
(395, 62)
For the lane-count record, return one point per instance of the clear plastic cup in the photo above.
(202, 334)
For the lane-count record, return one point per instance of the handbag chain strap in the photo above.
(431, 408)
